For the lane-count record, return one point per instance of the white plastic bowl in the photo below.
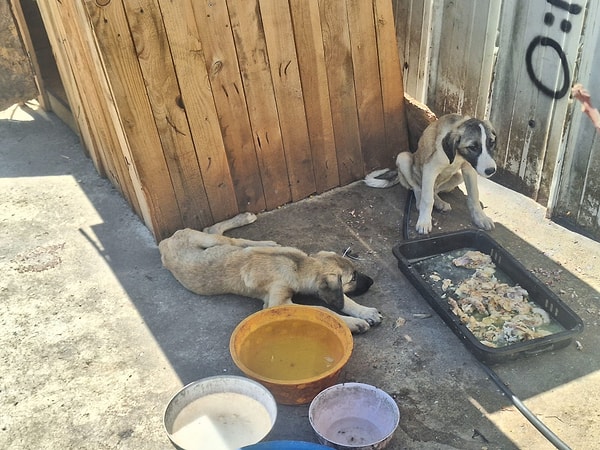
(354, 416)
(220, 413)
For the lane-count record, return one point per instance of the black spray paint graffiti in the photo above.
(543, 41)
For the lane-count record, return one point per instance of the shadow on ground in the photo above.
(173, 337)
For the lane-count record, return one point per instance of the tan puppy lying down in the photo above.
(207, 263)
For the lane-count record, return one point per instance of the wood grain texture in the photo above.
(220, 59)
(262, 108)
(338, 62)
(311, 61)
(191, 103)
(199, 110)
(283, 63)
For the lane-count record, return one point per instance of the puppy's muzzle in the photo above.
(363, 283)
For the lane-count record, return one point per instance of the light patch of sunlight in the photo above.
(19, 114)
(570, 411)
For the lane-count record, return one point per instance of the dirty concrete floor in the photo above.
(96, 336)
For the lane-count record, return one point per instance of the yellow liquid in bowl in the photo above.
(292, 350)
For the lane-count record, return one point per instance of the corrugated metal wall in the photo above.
(514, 61)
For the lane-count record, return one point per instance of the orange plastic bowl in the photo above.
(295, 351)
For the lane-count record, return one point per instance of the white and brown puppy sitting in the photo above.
(208, 263)
(451, 150)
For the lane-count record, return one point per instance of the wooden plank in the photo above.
(198, 108)
(216, 38)
(311, 59)
(361, 23)
(448, 93)
(66, 53)
(476, 51)
(338, 60)
(413, 33)
(392, 84)
(262, 108)
(575, 194)
(162, 89)
(521, 112)
(127, 83)
(283, 62)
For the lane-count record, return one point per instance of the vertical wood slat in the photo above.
(256, 76)
(311, 59)
(338, 61)
(413, 28)
(220, 59)
(521, 147)
(283, 62)
(367, 83)
(127, 82)
(392, 84)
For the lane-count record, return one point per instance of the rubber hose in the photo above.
(407, 205)
(548, 434)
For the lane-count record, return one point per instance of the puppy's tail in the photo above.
(382, 178)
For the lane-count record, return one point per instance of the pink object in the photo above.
(581, 94)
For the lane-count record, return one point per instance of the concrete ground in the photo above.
(96, 335)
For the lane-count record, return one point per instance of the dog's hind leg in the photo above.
(235, 222)
(447, 186)
(188, 238)
(404, 163)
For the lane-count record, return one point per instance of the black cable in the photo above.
(407, 207)
(537, 423)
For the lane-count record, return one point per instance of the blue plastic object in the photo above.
(286, 445)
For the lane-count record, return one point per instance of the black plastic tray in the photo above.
(410, 253)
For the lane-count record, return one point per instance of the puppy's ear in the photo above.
(450, 143)
(331, 290)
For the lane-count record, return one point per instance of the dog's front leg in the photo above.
(278, 295)
(371, 315)
(480, 219)
(426, 200)
(359, 318)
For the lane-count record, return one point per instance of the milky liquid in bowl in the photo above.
(221, 421)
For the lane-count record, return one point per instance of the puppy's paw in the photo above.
(247, 217)
(266, 244)
(441, 205)
(371, 315)
(356, 325)
(424, 226)
(484, 222)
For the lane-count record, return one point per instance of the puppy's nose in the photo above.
(363, 283)
(490, 171)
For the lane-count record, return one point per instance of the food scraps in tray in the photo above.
(496, 313)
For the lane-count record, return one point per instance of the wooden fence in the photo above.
(197, 110)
